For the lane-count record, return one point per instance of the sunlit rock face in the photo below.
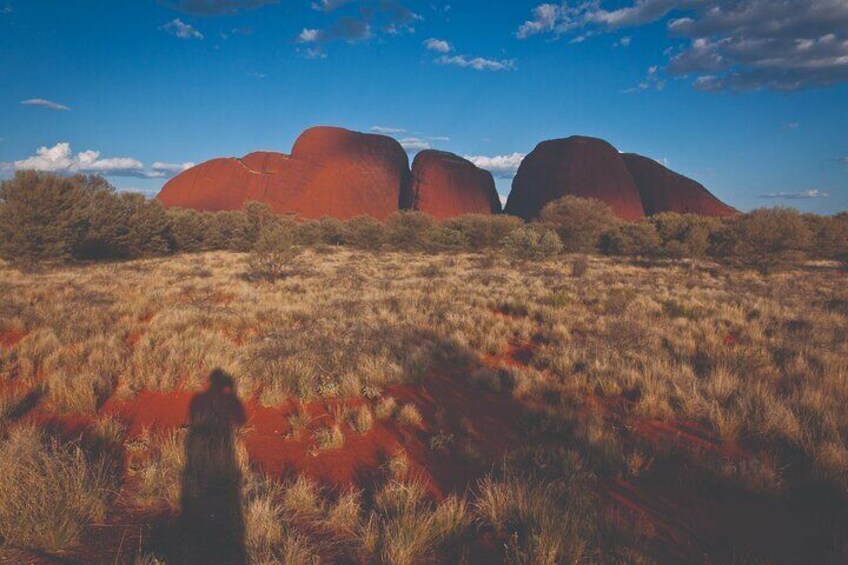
(331, 172)
(445, 185)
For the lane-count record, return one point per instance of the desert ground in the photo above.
(409, 408)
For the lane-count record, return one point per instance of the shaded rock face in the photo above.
(445, 185)
(331, 172)
(663, 190)
(576, 166)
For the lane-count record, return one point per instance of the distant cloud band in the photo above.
(49, 104)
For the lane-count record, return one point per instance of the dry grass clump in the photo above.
(329, 437)
(406, 528)
(409, 415)
(363, 419)
(50, 490)
(386, 408)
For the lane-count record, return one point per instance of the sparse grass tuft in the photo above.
(50, 491)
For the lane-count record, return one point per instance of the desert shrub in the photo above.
(185, 228)
(229, 231)
(484, 231)
(365, 232)
(51, 491)
(274, 252)
(769, 238)
(39, 215)
(631, 239)
(331, 231)
(408, 230)
(532, 243)
(579, 222)
(829, 235)
(442, 238)
(118, 225)
(684, 235)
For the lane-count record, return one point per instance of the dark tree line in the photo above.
(50, 217)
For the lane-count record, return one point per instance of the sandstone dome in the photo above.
(331, 172)
(445, 185)
(576, 166)
(663, 190)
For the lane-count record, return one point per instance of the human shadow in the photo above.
(210, 527)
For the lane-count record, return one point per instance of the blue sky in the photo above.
(750, 97)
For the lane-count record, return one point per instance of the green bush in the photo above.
(409, 230)
(639, 239)
(39, 215)
(579, 222)
(532, 243)
(484, 231)
(770, 238)
(274, 251)
(365, 232)
(685, 235)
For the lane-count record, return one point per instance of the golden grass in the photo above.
(758, 362)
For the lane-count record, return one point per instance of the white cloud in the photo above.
(503, 198)
(171, 168)
(623, 42)
(546, 18)
(412, 144)
(61, 159)
(438, 45)
(308, 36)
(791, 125)
(477, 63)
(652, 80)
(387, 131)
(802, 194)
(182, 30)
(727, 44)
(501, 166)
(42, 103)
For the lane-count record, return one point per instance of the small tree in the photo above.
(39, 216)
(484, 231)
(365, 232)
(770, 238)
(532, 243)
(274, 251)
(631, 239)
(579, 222)
(408, 230)
(685, 235)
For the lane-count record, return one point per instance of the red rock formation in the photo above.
(445, 185)
(331, 172)
(577, 166)
(663, 190)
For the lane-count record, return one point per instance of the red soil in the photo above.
(445, 185)
(10, 339)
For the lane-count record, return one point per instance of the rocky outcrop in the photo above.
(331, 172)
(445, 185)
(576, 166)
(663, 190)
